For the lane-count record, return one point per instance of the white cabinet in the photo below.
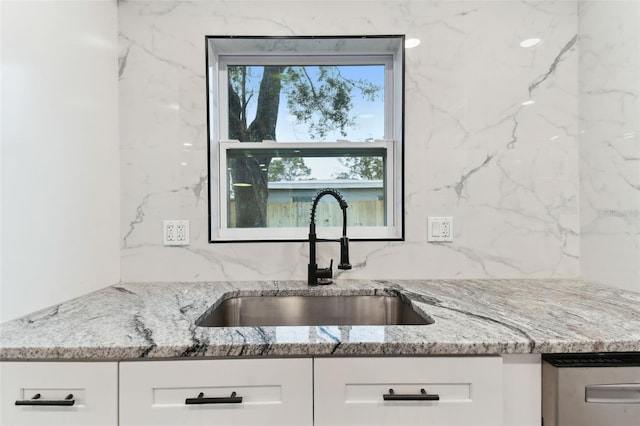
(408, 391)
(198, 392)
(472, 391)
(93, 387)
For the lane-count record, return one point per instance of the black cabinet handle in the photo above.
(35, 400)
(422, 396)
(233, 399)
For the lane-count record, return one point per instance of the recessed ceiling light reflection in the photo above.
(241, 185)
(411, 43)
(530, 42)
(528, 102)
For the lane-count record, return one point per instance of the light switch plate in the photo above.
(439, 229)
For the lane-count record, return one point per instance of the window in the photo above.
(289, 116)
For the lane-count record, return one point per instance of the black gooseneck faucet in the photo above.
(325, 274)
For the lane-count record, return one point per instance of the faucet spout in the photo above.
(323, 275)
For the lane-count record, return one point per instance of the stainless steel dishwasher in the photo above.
(600, 389)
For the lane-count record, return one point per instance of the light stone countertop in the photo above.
(156, 320)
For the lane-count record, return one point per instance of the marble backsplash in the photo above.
(507, 173)
(609, 88)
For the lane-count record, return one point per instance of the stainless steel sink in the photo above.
(249, 311)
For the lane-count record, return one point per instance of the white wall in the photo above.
(507, 173)
(60, 160)
(610, 142)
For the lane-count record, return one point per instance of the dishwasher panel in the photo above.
(591, 389)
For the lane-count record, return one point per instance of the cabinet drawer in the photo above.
(267, 391)
(93, 386)
(350, 391)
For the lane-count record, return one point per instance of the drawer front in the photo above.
(221, 392)
(351, 391)
(93, 388)
(597, 397)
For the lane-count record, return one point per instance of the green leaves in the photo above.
(321, 97)
(362, 168)
(288, 169)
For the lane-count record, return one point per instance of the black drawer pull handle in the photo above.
(233, 399)
(422, 396)
(35, 400)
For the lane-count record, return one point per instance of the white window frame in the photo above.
(222, 52)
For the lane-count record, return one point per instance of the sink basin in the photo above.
(251, 311)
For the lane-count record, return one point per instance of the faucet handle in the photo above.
(330, 269)
(325, 273)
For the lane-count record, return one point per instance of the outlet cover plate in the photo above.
(439, 229)
(175, 232)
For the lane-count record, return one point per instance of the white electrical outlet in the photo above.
(440, 229)
(175, 232)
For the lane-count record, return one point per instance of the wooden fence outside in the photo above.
(359, 213)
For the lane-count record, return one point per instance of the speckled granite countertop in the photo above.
(156, 320)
